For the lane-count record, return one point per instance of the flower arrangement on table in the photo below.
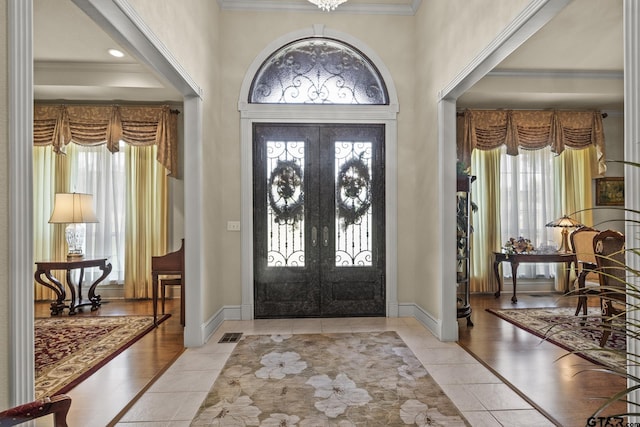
(518, 246)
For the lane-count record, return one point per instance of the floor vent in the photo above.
(230, 337)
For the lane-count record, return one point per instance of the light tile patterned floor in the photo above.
(484, 399)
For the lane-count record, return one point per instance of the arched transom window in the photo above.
(318, 71)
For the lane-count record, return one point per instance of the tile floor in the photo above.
(173, 400)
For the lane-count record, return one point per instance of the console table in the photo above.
(516, 259)
(44, 277)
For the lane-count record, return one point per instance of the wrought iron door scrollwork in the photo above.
(286, 195)
(353, 192)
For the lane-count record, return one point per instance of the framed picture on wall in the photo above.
(610, 191)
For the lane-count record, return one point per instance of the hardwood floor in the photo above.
(109, 392)
(554, 386)
(561, 387)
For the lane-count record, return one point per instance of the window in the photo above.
(95, 170)
(527, 188)
(318, 71)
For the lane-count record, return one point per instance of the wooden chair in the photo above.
(57, 405)
(609, 249)
(587, 281)
(171, 268)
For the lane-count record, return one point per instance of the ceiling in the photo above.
(575, 61)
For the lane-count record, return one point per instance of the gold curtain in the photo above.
(58, 125)
(574, 172)
(486, 221)
(146, 219)
(50, 173)
(530, 130)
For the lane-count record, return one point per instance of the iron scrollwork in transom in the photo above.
(318, 71)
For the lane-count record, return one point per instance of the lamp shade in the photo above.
(565, 221)
(73, 208)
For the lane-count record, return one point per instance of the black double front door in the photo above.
(319, 234)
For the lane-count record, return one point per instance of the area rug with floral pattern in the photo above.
(578, 334)
(69, 349)
(339, 379)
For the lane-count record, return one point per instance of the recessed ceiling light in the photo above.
(115, 52)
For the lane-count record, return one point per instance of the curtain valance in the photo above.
(529, 130)
(59, 125)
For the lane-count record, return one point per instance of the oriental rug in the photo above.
(340, 379)
(560, 326)
(70, 349)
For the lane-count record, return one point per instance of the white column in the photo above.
(21, 309)
(632, 154)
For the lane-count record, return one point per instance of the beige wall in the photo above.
(4, 202)
(193, 38)
(418, 52)
(450, 34)
(613, 127)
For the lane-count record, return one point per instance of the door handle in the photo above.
(325, 236)
(314, 237)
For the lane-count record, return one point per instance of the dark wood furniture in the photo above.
(172, 266)
(516, 259)
(463, 246)
(57, 405)
(582, 245)
(609, 248)
(44, 277)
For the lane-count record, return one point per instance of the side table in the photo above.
(44, 277)
(516, 259)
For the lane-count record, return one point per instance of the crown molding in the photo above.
(405, 7)
(559, 74)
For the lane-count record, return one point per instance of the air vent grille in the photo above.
(230, 337)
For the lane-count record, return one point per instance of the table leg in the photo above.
(154, 293)
(514, 274)
(73, 305)
(496, 271)
(568, 278)
(54, 284)
(96, 299)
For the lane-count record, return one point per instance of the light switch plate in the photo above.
(233, 225)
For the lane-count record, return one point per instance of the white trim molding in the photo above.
(254, 113)
(389, 7)
(121, 21)
(632, 176)
(559, 74)
(21, 309)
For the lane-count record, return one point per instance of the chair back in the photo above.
(171, 263)
(609, 249)
(582, 244)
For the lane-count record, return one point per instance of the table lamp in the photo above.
(75, 209)
(566, 223)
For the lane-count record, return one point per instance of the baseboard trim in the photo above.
(234, 312)
(231, 312)
(423, 316)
